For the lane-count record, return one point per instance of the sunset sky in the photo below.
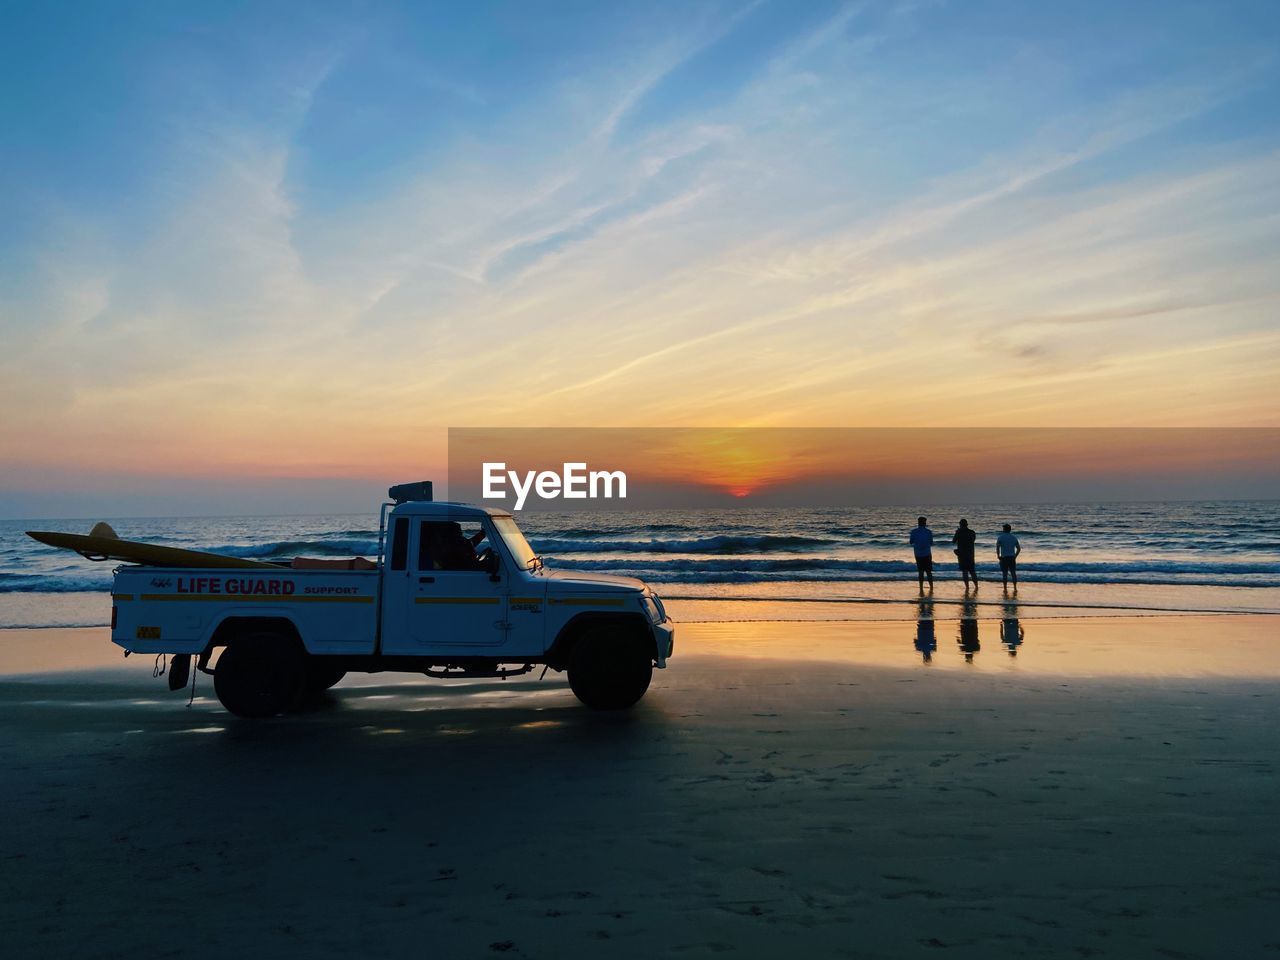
(831, 466)
(268, 253)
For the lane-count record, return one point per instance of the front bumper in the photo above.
(664, 641)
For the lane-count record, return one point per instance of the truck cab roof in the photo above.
(445, 509)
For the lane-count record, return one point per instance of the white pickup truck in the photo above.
(456, 591)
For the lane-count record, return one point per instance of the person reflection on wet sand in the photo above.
(1011, 632)
(926, 639)
(968, 636)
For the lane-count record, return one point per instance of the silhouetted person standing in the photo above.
(964, 539)
(922, 543)
(1007, 550)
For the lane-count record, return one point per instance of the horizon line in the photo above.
(727, 506)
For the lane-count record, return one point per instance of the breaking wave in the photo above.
(55, 583)
(287, 549)
(724, 544)
(712, 570)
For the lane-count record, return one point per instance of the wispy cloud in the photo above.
(822, 242)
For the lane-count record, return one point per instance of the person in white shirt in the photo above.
(922, 544)
(1007, 550)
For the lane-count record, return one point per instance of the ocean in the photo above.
(1204, 555)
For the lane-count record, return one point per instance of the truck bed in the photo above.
(178, 610)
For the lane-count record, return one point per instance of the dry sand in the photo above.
(847, 804)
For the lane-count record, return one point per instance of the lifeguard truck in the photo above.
(455, 591)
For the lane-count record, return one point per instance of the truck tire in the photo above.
(258, 676)
(609, 669)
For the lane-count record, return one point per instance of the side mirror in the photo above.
(490, 563)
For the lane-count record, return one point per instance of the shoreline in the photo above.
(975, 601)
(803, 601)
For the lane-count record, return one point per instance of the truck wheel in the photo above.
(609, 670)
(258, 676)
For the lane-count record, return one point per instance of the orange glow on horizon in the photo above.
(743, 463)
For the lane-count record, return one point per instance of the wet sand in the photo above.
(846, 801)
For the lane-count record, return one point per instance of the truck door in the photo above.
(449, 602)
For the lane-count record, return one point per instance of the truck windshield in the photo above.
(515, 541)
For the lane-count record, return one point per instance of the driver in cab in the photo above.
(445, 547)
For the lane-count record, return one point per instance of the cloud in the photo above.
(796, 250)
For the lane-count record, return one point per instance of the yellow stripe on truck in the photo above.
(254, 597)
(590, 601)
(456, 600)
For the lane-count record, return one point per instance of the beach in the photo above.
(806, 789)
